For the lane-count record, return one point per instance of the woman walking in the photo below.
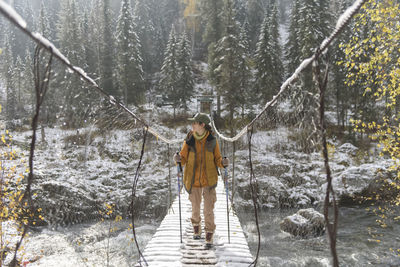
(201, 157)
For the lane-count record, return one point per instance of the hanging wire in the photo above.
(41, 87)
(169, 179)
(254, 189)
(134, 186)
(233, 172)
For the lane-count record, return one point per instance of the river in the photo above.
(357, 243)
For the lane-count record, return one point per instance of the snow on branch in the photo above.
(11, 13)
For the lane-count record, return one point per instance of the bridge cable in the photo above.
(134, 186)
(254, 189)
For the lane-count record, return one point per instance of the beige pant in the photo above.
(210, 197)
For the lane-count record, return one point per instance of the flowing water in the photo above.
(93, 244)
(357, 241)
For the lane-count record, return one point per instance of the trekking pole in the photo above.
(179, 169)
(227, 202)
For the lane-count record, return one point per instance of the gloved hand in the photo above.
(225, 162)
(177, 158)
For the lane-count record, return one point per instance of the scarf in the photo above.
(199, 137)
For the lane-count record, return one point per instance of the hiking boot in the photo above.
(209, 239)
(196, 232)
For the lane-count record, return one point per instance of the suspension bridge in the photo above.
(230, 245)
(173, 245)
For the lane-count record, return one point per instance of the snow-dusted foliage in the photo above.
(129, 60)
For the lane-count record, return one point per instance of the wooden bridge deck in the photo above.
(165, 248)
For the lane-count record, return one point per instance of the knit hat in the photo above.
(201, 117)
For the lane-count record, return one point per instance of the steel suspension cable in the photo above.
(134, 186)
(254, 189)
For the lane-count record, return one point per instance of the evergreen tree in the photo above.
(214, 27)
(264, 62)
(9, 75)
(106, 61)
(19, 88)
(43, 23)
(167, 13)
(229, 52)
(292, 55)
(212, 19)
(186, 82)
(69, 35)
(255, 15)
(277, 70)
(94, 38)
(2, 31)
(28, 84)
(170, 72)
(240, 7)
(144, 28)
(246, 93)
(313, 27)
(130, 72)
(337, 86)
(90, 46)
(18, 40)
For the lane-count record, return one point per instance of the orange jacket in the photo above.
(201, 159)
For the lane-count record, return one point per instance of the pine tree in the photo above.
(145, 30)
(240, 7)
(9, 75)
(18, 41)
(212, 19)
(170, 72)
(29, 17)
(246, 93)
(19, 88)
(314, 24)
(214, 27)
(129, 64)
(2, 31)
(43, 25)
(292, 55)
(229, 52)
(29, 82)
(69, 35)
(338, 88)
(94, 38)
(255, 15)
(167, 14)
(277, 70)
(107, 64)
(186, 82)
(264, 62)
(89, 44)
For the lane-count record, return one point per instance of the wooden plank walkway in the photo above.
(165, 248)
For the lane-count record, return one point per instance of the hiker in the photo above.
(201, 156)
